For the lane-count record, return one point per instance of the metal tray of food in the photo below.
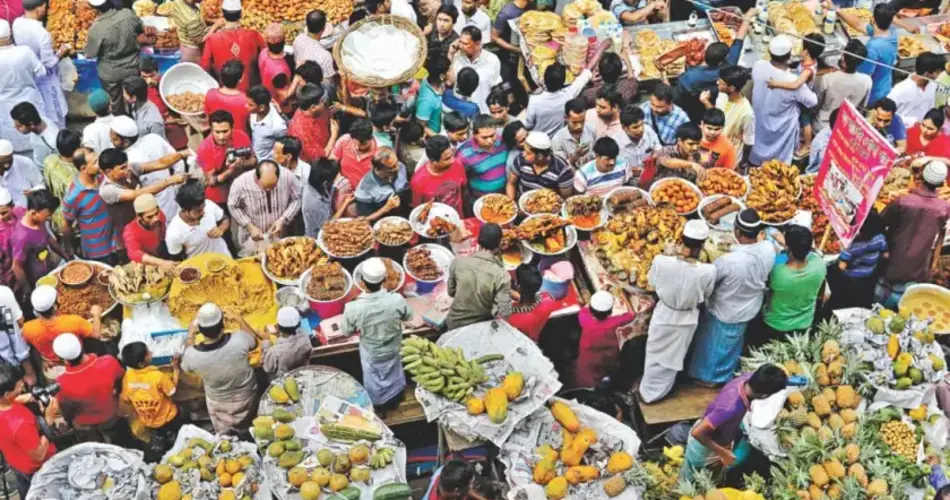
(671, 35)
(725, 22)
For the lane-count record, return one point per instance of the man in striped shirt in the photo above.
(605, 172)
(84, 208)
(484, 156)
(538, 167)
(264, 200)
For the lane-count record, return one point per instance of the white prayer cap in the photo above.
(209, 315)
(6, 147)
(96, 3)
(288, 317)
(67, 346)
(696, 230)
(538, 140)
(602, 301)
(373, 271)
(124, 126)
(780, 46)
(43, 298)
(4, 29)
(935, 173)
(5, 198)
(231, 5)
(749, 219)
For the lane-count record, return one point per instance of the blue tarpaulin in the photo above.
(89, 78)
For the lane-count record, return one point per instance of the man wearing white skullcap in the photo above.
(914, 222)
(377, 316)
(19, 70)
(599, 352)
(290, 349)
(742, 277)
(682, 285)
(18, 174)
(221, 360)
(230, 42)
(29, 31)
(538, 167)
(48, 325)
(87, 396)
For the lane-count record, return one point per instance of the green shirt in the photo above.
(792, 304)
(378, 318)
(58, 175)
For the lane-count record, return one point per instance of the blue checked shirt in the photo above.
(666, 125)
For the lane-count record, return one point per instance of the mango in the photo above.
(297, 476)
(309, 491)
(278, 394)
(290, 459)
(283, 416)
(162, 473)
(169, 491)
(496, 403)
(291, 388)
(276, 449)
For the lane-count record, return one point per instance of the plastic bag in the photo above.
(68, 74)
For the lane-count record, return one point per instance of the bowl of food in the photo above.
(395, 276)
(540, 201)
(434, 220)
(720, 211)
(75, 274)
(346, 238)
(79, 298)
(513, 251)
(929, 301)
(216, 265)
(291, 296)
(103, 277)
(188, 275)
(724, 181)
(428, 264)
(286, 260)
(585, 211)
(184, 86)
(392, 231)
(326, 287)
(681, 195)
(547, 234)
(625, 199)
(495, 208)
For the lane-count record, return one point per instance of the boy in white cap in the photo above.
(682, 285)
(914, 222)
(18, 174)
(19, 71)
(48, 325)
(113, 42)
(292, 348)
(538, 167)
(599, 349)
(87, 389)
(377, 316)
(232, 41)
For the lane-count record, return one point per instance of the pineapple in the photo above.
(833, 468)
(615, 485)
(813, 420)
(818, 475)
(821, 405)
(857, 472)
(852, 453)
(830, 351)
(835, 422)
(848, 415)
(687, 490)
(796, 399)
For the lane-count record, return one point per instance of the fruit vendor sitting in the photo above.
(290, 349)
(711, 439)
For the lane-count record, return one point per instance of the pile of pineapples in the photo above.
(703, 487)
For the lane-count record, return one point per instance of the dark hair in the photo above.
(943, 493)
(457, 476)
(529, 280)
(851, 62)
(474, 33)
(67, 142)
(937, 116)
(382, 153)
(928, 62)
(26, 113)
(411, 132)
(814, 44)
(148, 65)
(610, 68)
(498, 97)
(372, 6)
(111, 157)
(578, 106)
(41, 199)
(873, 226)
(489, 237)
(383, 114)
(716, 54)
(231, 73)
(221, 116)
(693, 244)
(449, 10)
(10, 376)
(322, 175)
(606, 146)
(798, 241)
(884, 15)
(290, 145)
(454, 122)
(79, 157)
(689, 131)
(554, 76)
(310, 95)
(768, 380)
(213, 331)
(509, 135)
(484, 121)
(734, 76)
(231, 16)
(435, 146)
(316, 21)
(133, 354)
(610, 94)
(259, 94)
(279, 81)
(311, 72)
(358, 15)
(361, 130)
(631, 114)
(663, 92)
(886, 104)
(714, 117)
(136, 87)
(190, 196)
(437, 67)
(466, 82)
(833, 117)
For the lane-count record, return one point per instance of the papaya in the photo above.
(290, 459)
(338, 482)
(475, 406)
(309, 490)
(278, 394)
(297, 476)
(619, 462)
(496, 403)
(565, 416)
(513, 385)
(291, 388)
(170, 491)
(544, 471)
(556, 489)
(283, 416)
(581, 474)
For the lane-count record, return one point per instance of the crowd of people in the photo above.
(290, 143)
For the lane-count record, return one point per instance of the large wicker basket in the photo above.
(385, 20)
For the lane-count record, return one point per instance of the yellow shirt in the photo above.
(149, 391)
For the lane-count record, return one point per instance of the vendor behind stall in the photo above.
(48, 325)
(292, 349)
(113, 42)
(599, 348)
(145, 236)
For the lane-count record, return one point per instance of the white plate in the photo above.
(731, 172)
(477, 208)
(528, 194)
(284, 281)
(327, 251)
(438, 210)
(726, 223)
(441, 255)
(358, 275)
(657, 184)
(624, 189)
(603, 213)
(379, 224)
(570, 239)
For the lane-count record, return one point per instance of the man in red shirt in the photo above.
(355, 151)
(442, 180)
(214, 161)
(23, 447)
(145, 236)
(232, 42)
(87, 390)
(228, 97)
(312, 125)
(530, 311)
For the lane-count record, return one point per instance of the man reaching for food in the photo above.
(145, 236)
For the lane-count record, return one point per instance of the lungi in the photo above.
(716, 351)
(382, 379)
(657, 382)
(233, 414)
(697, 457)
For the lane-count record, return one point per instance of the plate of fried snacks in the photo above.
(864, 15)
(78, 299)
(910, 46)
(286, 260)
(719, 211)
(547, 234)
(434, 220)
(187, 102)
(724, 181)
(679, 194)
(392, 231)
(625, 199)
(540, 201)
(326, 282)
(513, 251)
(427, 262)
(627, 244)
(496, 208)
(774, 192)
(897, 183)
(395, 276)
(346, 238)
(136, 283)
(585, 211)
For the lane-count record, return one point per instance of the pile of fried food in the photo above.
(897, 183)
(724, 33)
(76, 273)
(675, 193)
(544, 232)
(78, 299)
(539, 27)
(909, 46)
(440, 227)
(257, 14)
(290, 257)
(327, 282)
(650, 46)
(723, 181)
(167, 39)
(774, 191)
(347, 238)
(627, 244)
(187, 102)
(135, 282)
(543, 201)
(423, 215)
(421, 264)
(626, 201)
(715, 210)
(584, 211)
(68, 22)
(819, 219)
(394, 232)
(498, 208)
(863, 14)
(794, 19)
(242, 289)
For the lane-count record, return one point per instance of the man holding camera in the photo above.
(13, 348)
(23, 446)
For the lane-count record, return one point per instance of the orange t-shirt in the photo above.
(149, 391)
(41, 332)
(718, 154)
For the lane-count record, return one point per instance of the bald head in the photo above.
(267, 174)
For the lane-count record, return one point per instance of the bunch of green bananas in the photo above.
(443, 370)
(382, 458)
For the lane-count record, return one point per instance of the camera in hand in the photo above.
(6, 319)
(239, 153)
(44, 394)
